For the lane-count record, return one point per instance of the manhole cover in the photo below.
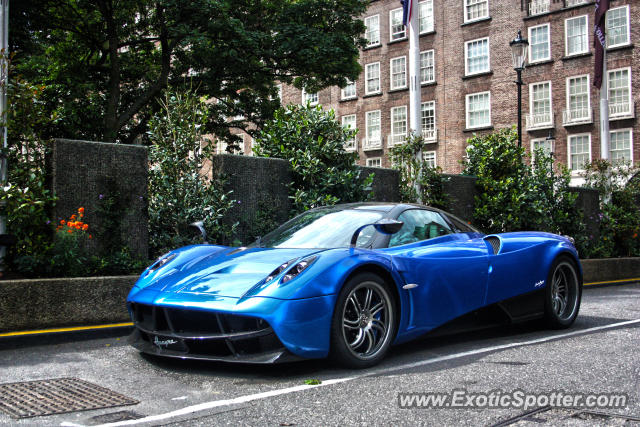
(56, 396)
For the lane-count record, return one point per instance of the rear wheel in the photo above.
(562, 294)
(364, 322)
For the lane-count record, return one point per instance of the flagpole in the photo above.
(4, 77)
(604, 109)
(414, 81)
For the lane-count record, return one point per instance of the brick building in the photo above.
(468, 79)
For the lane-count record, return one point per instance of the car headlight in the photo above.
(277, 271)
(292, 272)
(162, 261)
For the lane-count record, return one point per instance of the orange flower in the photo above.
(77, 226)
(85, 227)
(70, 224)
(81, 210)
(69, 231)
(635, 235)
(63, 222)
(59, 228)
(90, 236)
(73, 217)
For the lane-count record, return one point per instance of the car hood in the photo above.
(230, 273)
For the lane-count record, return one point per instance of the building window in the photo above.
(372, 78)
(620, 104)
(620, 146)
(426, 16)
(349, 122)
(373, 130)
(396, 29)
(429, 158)
(428, 120)
(540, 105)
(311, 98)
(476, 56)
(576, 36)
(372, 33)
(399, 72)
(427, 67)
(578, 100)
(579, 151)
(541, 143)
(398, 125)
(349, 91)
(538, 7)
(618, 26)
(475, 9)
(540, 43)
(374, 162)
(478, 106)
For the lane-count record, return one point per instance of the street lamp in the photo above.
(551, 143)
(519, 55)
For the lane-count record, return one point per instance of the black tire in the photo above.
(364, 322)
(563, 293)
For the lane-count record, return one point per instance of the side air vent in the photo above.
(494, 242)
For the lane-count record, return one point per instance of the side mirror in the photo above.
(199, 226)
(384, 226)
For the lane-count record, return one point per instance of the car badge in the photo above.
(160, 343)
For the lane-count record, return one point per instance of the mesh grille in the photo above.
(495, 243)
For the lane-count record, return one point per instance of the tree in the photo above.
(313, 142)
(104, 62)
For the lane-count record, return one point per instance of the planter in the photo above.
(596, 271)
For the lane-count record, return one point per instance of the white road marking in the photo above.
(179, 398)
(273, 393)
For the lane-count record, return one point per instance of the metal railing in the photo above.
(539, 120)
(537, 7)
(371, 144)
(576, 116)
(570, 3)
(393, 140)
(621, 110)
(430, 135)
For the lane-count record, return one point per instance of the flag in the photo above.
(599, 39)
(407, 6)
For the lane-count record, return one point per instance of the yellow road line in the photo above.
(635, 279)
(70, 329)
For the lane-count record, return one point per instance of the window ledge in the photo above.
(370, 95)
(427, 84)
(620, 47)
(471, 76)
(538, 15)
(351, 98)
(577, 55)
(404, 39)
(475, 21)
(398, 89)
(428, 33)
(467, 130)
(373, 46)
(543, 62)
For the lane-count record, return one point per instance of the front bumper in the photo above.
(254, 330)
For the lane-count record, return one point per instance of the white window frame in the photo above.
(545, 141)
(374, 160)
(433, 65)
(568, 94)
(478, 18)
(435, 123)
(351, 144)
(306, 97)
(569, 137)
(466, 110)
(403, 73)
(548, 25)
(367, 32)
(367, 114)
(398, 138)
(630, 130)
(344, 95)
(399, 35)
(366, 79)
(429, 153)
(430, 26)
(550, 97)
(628, 41)
(629, 85)
(566, 33)
(466, 56)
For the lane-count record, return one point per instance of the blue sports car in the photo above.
(347, 282)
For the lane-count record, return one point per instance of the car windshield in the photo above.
(322, 228)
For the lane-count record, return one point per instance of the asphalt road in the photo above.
(598, 354)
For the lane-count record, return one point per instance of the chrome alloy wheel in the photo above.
(367, 319)
(564, 291)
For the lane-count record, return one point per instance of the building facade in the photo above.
(467, 79)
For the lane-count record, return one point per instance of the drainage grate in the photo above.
(56, 396)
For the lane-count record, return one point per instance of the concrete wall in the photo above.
(81, 171)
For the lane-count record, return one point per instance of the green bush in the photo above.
(619, 207)
(416, 173)
(514, 195)
(180, 191)
(313, 142)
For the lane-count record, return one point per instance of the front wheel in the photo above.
(364, 322)
(562, 294)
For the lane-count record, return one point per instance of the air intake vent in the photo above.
(494, 242)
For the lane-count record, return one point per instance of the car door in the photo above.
(445, 272)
